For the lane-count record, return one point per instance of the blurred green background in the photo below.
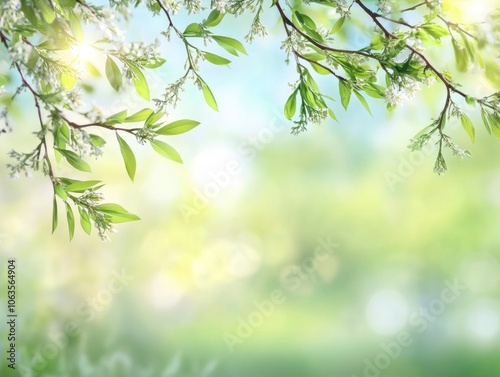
(240, 223)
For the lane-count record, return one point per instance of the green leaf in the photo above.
(318, 68)
(54, 215)
(92, 69)
(338, 25)
(166, 150)
(139, 116)
(363, 102)
(97, 140)
(178, 127)
(153, 117)
(232, 43)
(291, 106)
(45, 8)
(471, 101)
(71, 221)
(140, 83)
(68, 81)
(60, 192)
(74, 24)
(332, 114)
(128, 157)
(117, 118)
(214, 18)
(81, 186)
(215, 59)
(486, 121)
(468, 127)
(193, 29)
(345, 93)
(461, 57)
(68, 3)
(435, 31)
(75, 160)
(29, 12)
(209, 97)
(85, 221)
(113, 74)
(111, 208)
(117, 213)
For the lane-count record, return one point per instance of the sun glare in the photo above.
(469, 11)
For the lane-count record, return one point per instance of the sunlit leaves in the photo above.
(291, 105)
(468, 127)
(81, 186)
(116, 213)
(178, 127)
(54, 215)
(85, 220)
(215, 59)
(231, 45)
(113, 73)
(46, 10)
(128, 157)
(214, 18)
(70, 217)
(209, 97)
(345, 93)
(75, 160)
(166, 150)
(140, 82)
(139, 116)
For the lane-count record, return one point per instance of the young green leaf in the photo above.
(81, 186)
(92, 69)
(54, 215)
(153, 117)
(117, 118)
(215, 59)
(45, 8)
(71, 221)
(166, 150)
(214, 18)
(60, 191)
(113, 74)
(468, 127)
(291, 106)
(209, 97)
(140, 83)
(116, 212)
(68, 81)
(75, 160)
(192, 30)
(363, 101)
(486, 122)
(139, 116)
(74, 24)
(29, 12)
(178, 127)
(85, 221)
(338, 25)
(234, 44)
(97, 141)
(345, 93)
(128, 157)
